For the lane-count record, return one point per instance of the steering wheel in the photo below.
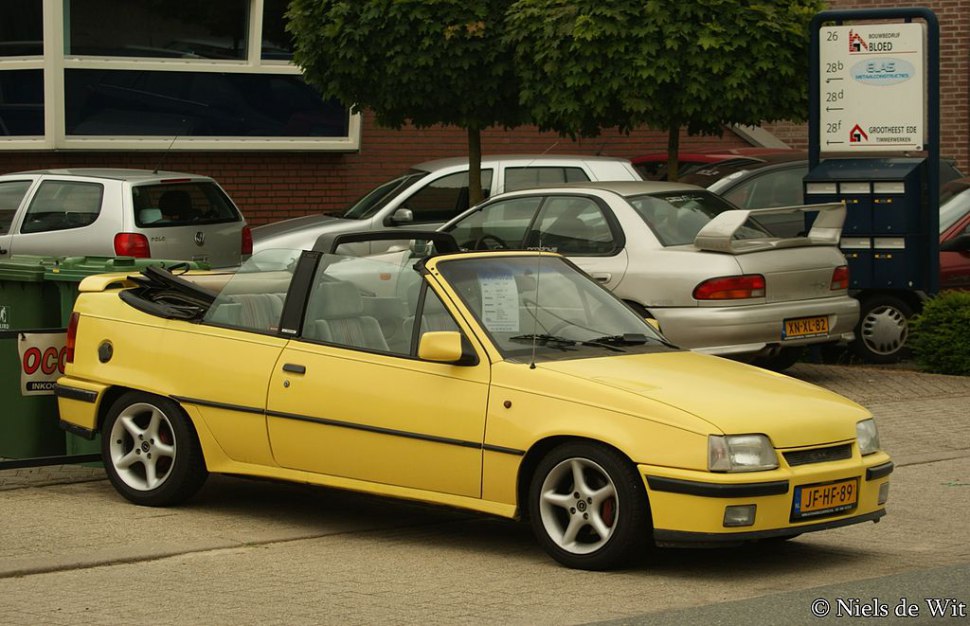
(500, 243)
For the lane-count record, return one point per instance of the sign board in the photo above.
(41, 361)
(872, 84)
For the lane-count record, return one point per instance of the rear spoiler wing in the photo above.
(718, 234)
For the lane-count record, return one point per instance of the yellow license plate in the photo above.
(825, 499)
(806, 327)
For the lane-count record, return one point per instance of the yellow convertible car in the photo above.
(508, 383)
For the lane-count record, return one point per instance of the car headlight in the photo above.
(740, 453)
(867, 436)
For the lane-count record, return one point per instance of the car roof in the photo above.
(130, 175)
(523, 159)
(716, 155)
(619, 187)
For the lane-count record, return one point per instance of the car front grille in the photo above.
(819, 455)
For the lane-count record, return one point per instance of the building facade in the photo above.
(210, 88)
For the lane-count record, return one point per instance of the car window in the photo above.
(381, 195)
(372, 304)
(11, 195)
(254, 296)
(529, 177)
(772, 189)
(443, 199)
(954, 209)
(676, 217)
(502, 224)
(62, 204)
(180, 204)
(572, 225)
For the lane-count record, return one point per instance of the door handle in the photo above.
(602, 277)
(293, 368)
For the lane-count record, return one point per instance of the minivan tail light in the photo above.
(71, 337)
(247, 240)
(840, 278)
(731, 288)
(132, 244)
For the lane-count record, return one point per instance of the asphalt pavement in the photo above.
(73, 552)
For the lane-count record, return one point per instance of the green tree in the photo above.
(667, 64)
(424, 62)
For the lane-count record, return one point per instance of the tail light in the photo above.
(247, 240)
(840, 278)
(71, 337)
(731, 288)
(132, 244)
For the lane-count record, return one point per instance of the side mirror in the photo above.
(444, 347)
(401, 216)
(960, 243)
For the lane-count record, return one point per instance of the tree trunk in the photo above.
(474, 165)
(673, 151)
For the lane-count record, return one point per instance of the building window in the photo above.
(195, 104)
(21, 103)
(21, 28)
(211, 75)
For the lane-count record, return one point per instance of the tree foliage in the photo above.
(592, 64)
(941, 334)
(424, 62)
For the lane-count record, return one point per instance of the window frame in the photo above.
(54, 62)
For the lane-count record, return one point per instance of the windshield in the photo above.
(377, 198)
(180, 204)
(954, 208)
(676, 217)
(543, 303)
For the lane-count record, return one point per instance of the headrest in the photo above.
(337, 299)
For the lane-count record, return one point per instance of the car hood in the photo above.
(301, 232)
(724, 396)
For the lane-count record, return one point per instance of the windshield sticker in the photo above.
(500, 303)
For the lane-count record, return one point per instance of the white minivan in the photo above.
(431, 193)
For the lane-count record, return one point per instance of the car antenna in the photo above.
(161, 159)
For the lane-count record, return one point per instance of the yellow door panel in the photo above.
(379, 418)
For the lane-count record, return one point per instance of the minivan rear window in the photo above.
(182, 204)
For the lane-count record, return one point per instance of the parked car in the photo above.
(120, 212)
(714, 279)
(431, 193)
(774, 180)
(654, 166)
(955, 236)
(511, 384)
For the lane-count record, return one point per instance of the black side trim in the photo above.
(880, 471)
(671, 538)
(73, 393)
(218, 405)
(714, 490)
(512, 451)
(80, 431)
(294, 307)
(352, 426)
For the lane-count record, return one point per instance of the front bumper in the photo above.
(749, 329)
(688, 507)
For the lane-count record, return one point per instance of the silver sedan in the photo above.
(708, 272)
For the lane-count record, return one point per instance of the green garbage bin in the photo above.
(30, 317)
(66, 274)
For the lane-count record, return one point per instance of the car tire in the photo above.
(785, 358)
(588, 507)
(150, 450)
(880, 336)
